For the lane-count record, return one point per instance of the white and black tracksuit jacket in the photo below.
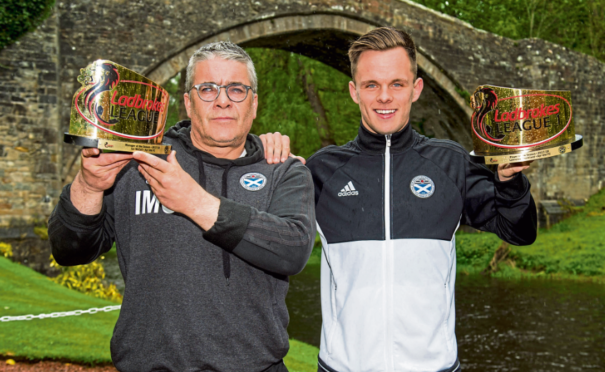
(389, 259)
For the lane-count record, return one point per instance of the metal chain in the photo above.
(92, 310)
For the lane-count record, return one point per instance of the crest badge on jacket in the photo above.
(253, 181)
(422, 186)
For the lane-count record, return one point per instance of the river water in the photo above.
(501, 325)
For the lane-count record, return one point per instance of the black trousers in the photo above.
(277, 367)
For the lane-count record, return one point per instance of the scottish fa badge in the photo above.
(253, 181)
(422, 186)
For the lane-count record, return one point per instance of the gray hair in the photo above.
(225, 50)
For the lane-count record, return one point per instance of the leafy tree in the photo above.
(576, 24)
(176, 100)
(303, 98)
(18, 17)
(596, 28)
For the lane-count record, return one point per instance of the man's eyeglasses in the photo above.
(236, 92)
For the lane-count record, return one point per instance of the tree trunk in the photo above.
(181, 100)
(499, 256)
(325, 135)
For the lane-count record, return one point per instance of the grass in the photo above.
(78, 339)
(302, 357)
(571, 249)
(83, 338)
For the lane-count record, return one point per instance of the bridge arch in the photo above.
(326, 37)
(155, 37)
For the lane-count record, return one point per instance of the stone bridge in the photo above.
(156, 37)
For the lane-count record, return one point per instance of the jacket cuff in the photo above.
(513, 189)
(71, 216)
(230, 226)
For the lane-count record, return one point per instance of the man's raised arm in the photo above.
(81, 226)
(501, 203)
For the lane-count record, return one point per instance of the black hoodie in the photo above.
(199, 300)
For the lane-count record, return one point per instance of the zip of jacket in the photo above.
(388, 258)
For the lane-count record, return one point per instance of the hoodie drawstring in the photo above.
(226, 255)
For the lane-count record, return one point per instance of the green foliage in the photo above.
(172, 86)
(83, 338)
(301, 357)
(573, 247)
(42, 232)
(464, 94)
(576, 24)
(88, 279)
(315, 258)
(284, 107)
(6, 250)
(419, 127)
(18, 17)
(474, 251)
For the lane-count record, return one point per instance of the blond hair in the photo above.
(383, 38)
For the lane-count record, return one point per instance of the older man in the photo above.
(206, 238)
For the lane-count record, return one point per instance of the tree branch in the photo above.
(325, 135)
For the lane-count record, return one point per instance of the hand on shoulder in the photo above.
(277, 148)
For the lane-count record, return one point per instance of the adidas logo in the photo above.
(349, 190)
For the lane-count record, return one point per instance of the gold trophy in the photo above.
(117, 109)
(514, 125)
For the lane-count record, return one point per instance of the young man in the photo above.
(388, 204)
(206, 239)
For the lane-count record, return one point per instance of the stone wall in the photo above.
(38, 77)
(30, 147)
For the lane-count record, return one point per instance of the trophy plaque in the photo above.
(514, 125)
(117, 109)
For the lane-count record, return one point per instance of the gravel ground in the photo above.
(51, 367)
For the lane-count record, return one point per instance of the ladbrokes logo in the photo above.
(137, 102)
(495, 125)
(520, 114)
(125, 108)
